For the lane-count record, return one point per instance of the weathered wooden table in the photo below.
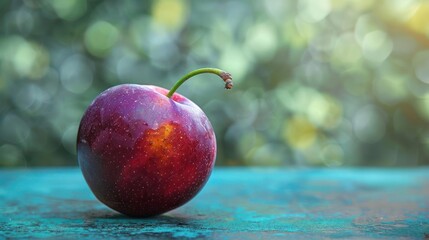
(237, 203)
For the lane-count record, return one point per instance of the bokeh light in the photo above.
(317, 83)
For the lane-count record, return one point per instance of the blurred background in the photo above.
(317, 83)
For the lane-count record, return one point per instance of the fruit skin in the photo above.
(142, 153)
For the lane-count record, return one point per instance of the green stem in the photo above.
(226, 77)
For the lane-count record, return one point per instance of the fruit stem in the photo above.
(226, 77)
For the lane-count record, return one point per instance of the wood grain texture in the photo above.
(237, 203)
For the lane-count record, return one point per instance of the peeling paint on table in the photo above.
(237, 203)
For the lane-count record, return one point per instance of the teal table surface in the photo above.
(236, 203)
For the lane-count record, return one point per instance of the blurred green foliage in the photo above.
(325, 83)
